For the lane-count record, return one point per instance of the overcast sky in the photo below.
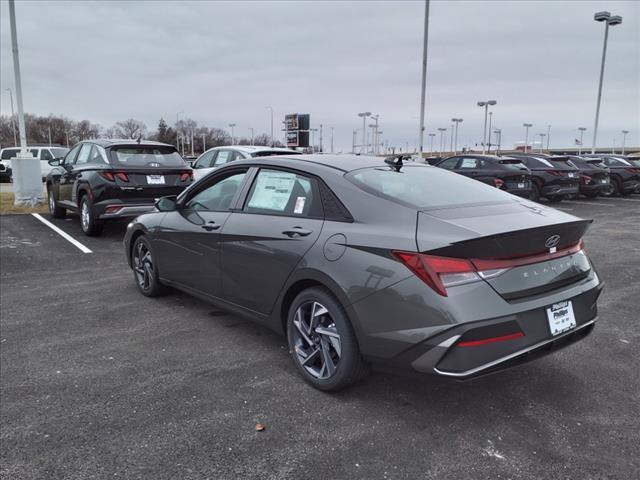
(223, 62)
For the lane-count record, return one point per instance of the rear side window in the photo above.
(46, 155)
(513, 164)
(470, 163)
(148, 156)
(449, 163)
(425, 187)
(277, 192)
(84, 155)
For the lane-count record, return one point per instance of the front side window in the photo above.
(425, 187)
(218, 196)
(206, 160)
(71, 156)
(83, 156)
(277, 192)
(449, 163)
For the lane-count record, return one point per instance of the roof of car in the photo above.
(110, 142)
(344, 163)
(253, 148)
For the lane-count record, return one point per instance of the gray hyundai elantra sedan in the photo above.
(361, 261)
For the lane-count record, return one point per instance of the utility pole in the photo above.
(364, 116)
(457, 122)
(526, 135)
(353, 144)
(272, 139)
(320, 138)
(232, 125)
(624, 139)
(423, 90)
(26, 169)
(582, 130)
(204, 143)
(192, 154)
(13, 119)
(548, 136)
(49, 129)
(251, 128)
(431, 135)
(331, 139)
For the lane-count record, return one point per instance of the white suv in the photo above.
(218, 156)
(44, 154)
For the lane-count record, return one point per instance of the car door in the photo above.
(188, 239)
(67, 175)
(280, 219)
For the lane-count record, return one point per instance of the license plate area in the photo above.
(560, 317)
(155, 179)
(521, 185)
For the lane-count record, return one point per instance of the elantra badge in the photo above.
(552, 242)
(154, 164)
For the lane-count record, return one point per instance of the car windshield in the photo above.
(59, 152)
(425, 187)
(148, 157)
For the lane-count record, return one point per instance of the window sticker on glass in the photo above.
(299, 208)
(272, 190)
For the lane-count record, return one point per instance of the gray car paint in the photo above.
(392, 311)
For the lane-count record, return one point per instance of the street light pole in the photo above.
(489, 136)
(548, 136)
(498, 133)
(178, 133)
(453, 127)
(526, 135)
(442, 130)
(272, 139)
(423, 90)
(456, 121)
(331, 139)
(542, 135)
(251, 128)
(624, 139)
(486, 111)
(204, 143)
(364, 116)
(582, 130)
(232, 125)
(609, 20)
(353, 143)
(431, 149)
(13, 119)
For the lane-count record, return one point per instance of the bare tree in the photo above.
(130, 128)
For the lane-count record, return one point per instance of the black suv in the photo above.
(111, 179)
(553, 176)
(594, 176)
(625, 175)
(508, 174)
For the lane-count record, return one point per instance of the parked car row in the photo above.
(554, 177)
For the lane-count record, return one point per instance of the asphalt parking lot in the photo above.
(98, 381)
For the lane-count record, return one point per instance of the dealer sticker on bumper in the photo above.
(561, 318)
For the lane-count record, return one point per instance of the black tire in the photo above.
(55, 210)
(349, 366)
(535, 192)
(614, 188)
(555, 198)
(144, 269)
(90, 225)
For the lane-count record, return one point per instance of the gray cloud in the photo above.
(222, 62)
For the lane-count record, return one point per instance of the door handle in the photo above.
(209, 227)
(297, 232)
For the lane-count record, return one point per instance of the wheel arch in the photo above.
(298, 282)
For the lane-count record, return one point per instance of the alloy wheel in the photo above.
(85, 216)
(143, 265)
(316, 340)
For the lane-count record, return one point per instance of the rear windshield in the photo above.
(148, 157)
(424, 187)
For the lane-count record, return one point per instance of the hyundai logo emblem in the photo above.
(552, 241)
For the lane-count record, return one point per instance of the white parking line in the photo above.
(63, 234)
(589, 203)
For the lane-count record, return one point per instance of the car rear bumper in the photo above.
(595, 188)
(558, 190)
(118, 208)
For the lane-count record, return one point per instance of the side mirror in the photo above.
(167, 204)
(54, 162)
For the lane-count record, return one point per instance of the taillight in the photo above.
(442, 272)
(586, 178)
(633, 170)
(186, 176)
(557, 173)
(438, 272)
(498, 183)
(122, 176)
(108, 175)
